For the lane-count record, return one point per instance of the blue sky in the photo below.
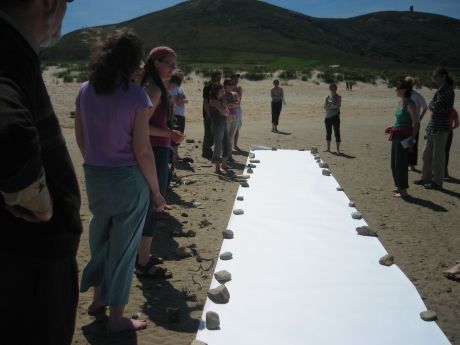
(84, 13)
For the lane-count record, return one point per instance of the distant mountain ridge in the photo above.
(254, 32)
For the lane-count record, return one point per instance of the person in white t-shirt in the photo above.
(179, 99)
(421, 107)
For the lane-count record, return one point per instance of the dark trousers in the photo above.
(332, 122)
(413, 154)
(399, 162)
(276, 111)
(39, 299)
(448, 145)
(179, 125)
(208, 139)
(162, 157)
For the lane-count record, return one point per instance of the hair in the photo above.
(215, 74)
(410, 80)
(228, 82)
(276, 81)
(405, 85)
(177, 79)
(114, 60)
(442, 72)
(333, 85)
(215, 90)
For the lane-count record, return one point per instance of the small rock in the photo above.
(326, 172)
(136, 316)
(190, 141)
(429, 315)
(226, 256)
(184, 252)
(238, 212)
(323, 165)
(219, 295)
(212, 320)
(223, 276)
(366, 231)
(339, 189)
(228, 234)
(252, 166)
(255, 161)
(198, 342)
(173, 315)
(244, 184)
(387, 260)
(240, 198)
(184, 214)
(274, 149)
(243, 176)
(250, 171)
(356, 215)
(314, 150)
(352, 204)
(252, 155)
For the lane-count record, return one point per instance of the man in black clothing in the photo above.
(208, 139)
(40, 224)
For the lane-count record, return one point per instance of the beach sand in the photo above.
(420, 234)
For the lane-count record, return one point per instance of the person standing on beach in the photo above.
(404, 129)
(277, 95)
(233, 102)
(111, 128)
(239, 112)
(39, 194)
(332, 105)
(219, 114)
(208, 139)
(453, 123)
(159, 68)
(437, 131)
(421, 108)
(179, 99)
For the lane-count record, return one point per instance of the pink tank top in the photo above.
(159, 119)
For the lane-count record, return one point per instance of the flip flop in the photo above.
(159, 273)
(451, 276)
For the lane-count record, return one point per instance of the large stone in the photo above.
(326, 172)
(339, 189)
(244, 184)
(323, 165)
(366, 231)
(228, 234)
(250, 171)
(219, 295)
(352, 204)
(255, 161)
(226, 256)
(223, 276)
(243, 176)
(356, 215)
(314, 150)
(252, 166)
(240, 198)
(252, 155)
(387, 260)
(429, 315)
(212, 320)
(238, 212)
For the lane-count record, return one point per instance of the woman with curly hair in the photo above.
(111, 127)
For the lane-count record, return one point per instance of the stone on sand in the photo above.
(252, 166)
(429, 315)
(326, 172)
(243, 176)
(255, 161)
(198, 342)
(238, 212)
(244, 184)
(366, 231)
(219, 295)
(352, 204)
(223, 276)
(240, 198)
(184, 252)
(356, 215)
(252, 155)
(339, 189)
(387, 260)
(323, 165)
(250, 171)
(314, 150)
(212, 320)
(228, 234)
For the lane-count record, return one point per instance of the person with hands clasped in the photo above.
(219, 114)
(402, 136)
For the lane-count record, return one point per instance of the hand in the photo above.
(177, 136)
(158, 201)
(30, 216)
(388, 130)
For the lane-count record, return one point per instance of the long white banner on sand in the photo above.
(300, 272)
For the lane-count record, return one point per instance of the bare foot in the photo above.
(168, 207)
(125, 325)
(453, 272)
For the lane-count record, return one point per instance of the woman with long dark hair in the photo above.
(159, 68)
(437, 131)
(111, 128)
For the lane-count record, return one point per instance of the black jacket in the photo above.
(31, 141)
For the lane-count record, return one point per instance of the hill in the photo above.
(253, 32)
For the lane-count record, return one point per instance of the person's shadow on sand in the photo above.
(344, 155)
(425, 203)
(283, 133)
(96, 334)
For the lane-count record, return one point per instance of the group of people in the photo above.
(222, 119)
(404, 133)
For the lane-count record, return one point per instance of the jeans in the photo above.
(332, 122)
(221, 138)
(434, 157)
(162, 155)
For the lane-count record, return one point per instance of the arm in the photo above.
(79, 132)
(415, 119)
(144, 155)
(455, 123)
(223, 110)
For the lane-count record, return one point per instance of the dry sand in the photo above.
(420, 234)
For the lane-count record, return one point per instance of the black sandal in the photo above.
(159, 273)
(155, 260)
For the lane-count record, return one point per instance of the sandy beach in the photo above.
(420, 233)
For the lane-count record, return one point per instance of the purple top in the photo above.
(108, 122)
(159, 119)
